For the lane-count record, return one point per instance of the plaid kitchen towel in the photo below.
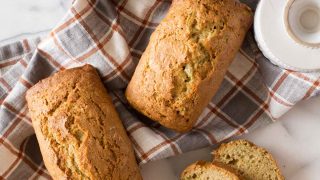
(111, 36)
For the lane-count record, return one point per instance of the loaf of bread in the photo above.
(248, 160)
(186, 60)
(207, 171)
(78, 129)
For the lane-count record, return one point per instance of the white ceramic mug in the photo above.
(302, 21)
(288, 33)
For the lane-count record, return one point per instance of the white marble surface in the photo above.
(294, 140)
(25, 18)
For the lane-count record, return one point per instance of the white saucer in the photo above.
(275, 42)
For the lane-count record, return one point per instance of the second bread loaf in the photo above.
(186, 60)
(78, 129)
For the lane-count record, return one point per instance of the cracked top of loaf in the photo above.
(78, 129)
(186, 59)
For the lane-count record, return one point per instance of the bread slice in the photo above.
(202, 170)
(249, 161)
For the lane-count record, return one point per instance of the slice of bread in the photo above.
(249, 161)
(202, 170)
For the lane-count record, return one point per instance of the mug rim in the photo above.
(290, 31)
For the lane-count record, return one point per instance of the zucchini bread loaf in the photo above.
(186, 60)
(78, 129)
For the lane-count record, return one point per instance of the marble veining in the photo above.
(293, 139)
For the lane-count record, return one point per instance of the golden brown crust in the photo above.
(78, 129)
(193, 171)
(186, 60)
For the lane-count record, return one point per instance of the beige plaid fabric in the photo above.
(111, 35)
